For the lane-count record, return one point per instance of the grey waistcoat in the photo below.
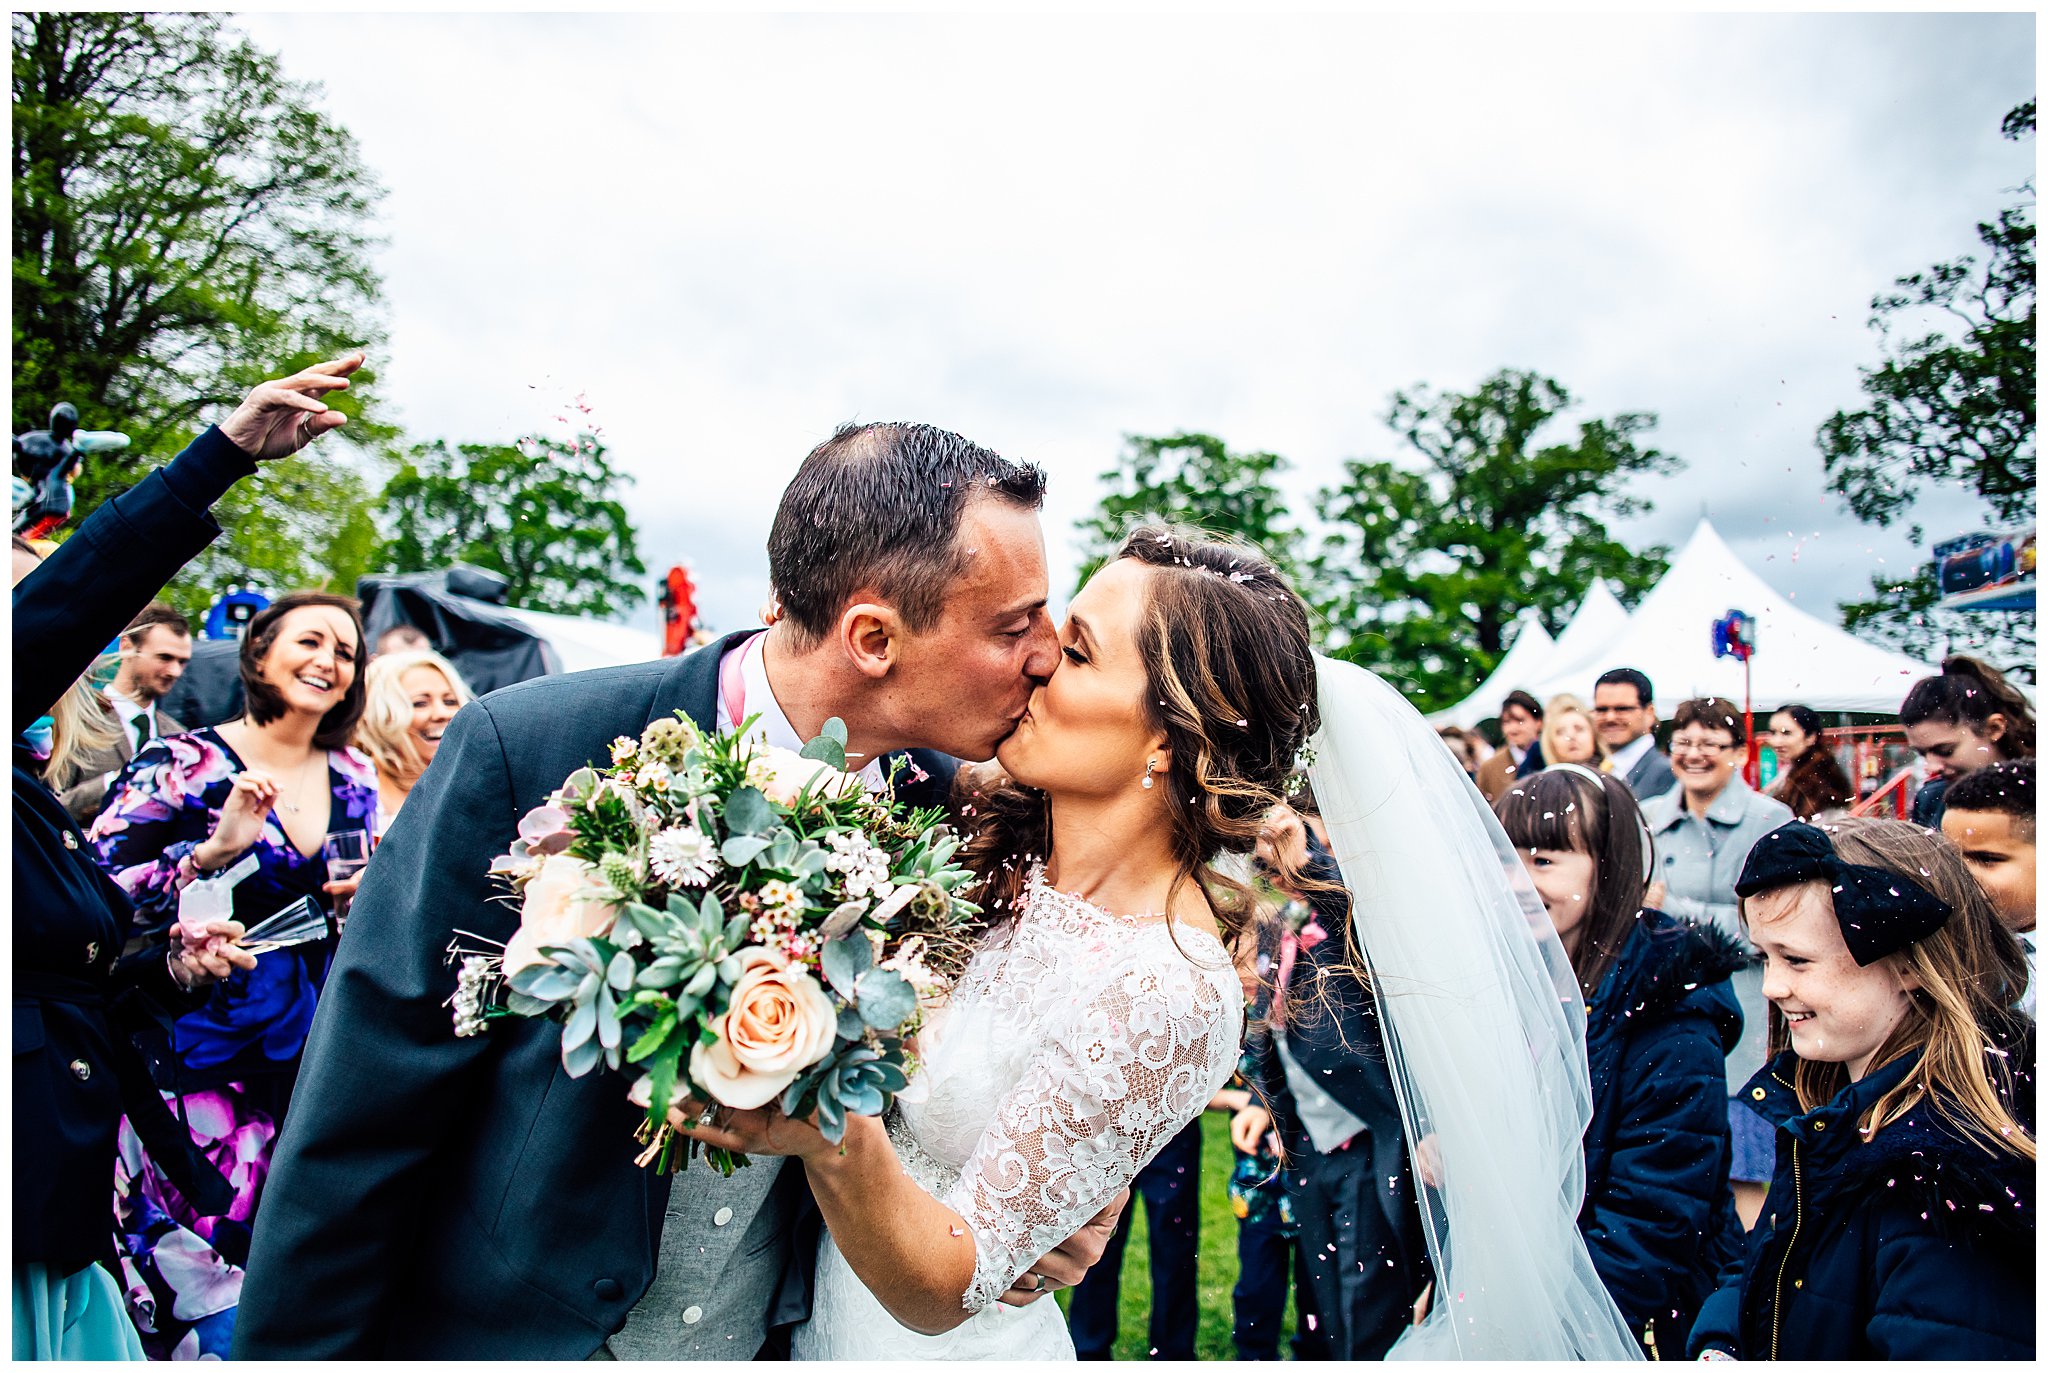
(724, 1242)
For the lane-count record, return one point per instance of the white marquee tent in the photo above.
(1799, 658)
(1535, 656)
(1525, 657)
(580, 644)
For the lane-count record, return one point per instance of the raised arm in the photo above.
(85, 593)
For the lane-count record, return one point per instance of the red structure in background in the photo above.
(678, 611)
(1879, 762)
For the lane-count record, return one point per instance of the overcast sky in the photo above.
(731, 234)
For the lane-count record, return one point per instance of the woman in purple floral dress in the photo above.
(271, 785)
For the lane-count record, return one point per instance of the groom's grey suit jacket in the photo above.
(435, 1197)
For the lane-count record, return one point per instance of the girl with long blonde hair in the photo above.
(1899, 1223)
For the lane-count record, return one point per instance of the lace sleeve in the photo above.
(1108, 1088)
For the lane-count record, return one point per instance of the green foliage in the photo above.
(1192, 479)
(1901, 613)
(543, 512)
(306, 523)
(1953, 406)
(1427, 565)
(185, 225)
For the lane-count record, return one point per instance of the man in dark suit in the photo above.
(1627, 723)
(436, 1197)
(154, 649)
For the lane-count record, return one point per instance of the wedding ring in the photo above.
(1037, 1282)
(707, 1115)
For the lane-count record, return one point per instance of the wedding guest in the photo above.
(1967, 718)
(76, 1000)
(409, 700)
(1568, 735)
(1810, 782)
(1170, 1186)
(1521, 720)
(1990, 818)
(402, 639)
(1703, 829)
(1461, 747)
(154, 650)
(1324, 1085)
(1658, 1217)
(1901, 1221)
(271, 785)
(1627, 722)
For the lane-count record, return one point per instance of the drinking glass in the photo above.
(348, 852)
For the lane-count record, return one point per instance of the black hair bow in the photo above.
(1880, 911)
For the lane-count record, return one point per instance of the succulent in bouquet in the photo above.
(717, 919)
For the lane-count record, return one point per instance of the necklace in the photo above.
(300, 788)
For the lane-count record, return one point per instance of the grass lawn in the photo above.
(1216, 1266)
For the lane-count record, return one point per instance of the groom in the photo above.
(435, 1197)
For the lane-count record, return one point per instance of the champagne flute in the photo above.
(348, 853)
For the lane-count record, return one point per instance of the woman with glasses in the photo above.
(1703, 829)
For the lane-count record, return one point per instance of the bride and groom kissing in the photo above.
(439, 1197)
(444, 1197)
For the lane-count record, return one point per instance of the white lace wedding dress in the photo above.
(1074, 1047)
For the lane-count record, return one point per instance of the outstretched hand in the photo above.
(280, 417)
(764, 1131)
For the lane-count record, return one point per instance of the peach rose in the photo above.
(561, 904)
(778, 1023)
(783, 775)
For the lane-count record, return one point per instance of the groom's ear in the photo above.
(872, 636)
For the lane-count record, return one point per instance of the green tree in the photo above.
(185, 224)
(1429, 562)
(1953, 406)
(1192, 479)
(542, 512)
(306, 523)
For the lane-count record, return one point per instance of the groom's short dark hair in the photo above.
(879, 505)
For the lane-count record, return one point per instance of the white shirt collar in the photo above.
(772, 726)
(128, 709)
(1517, 754)
(1627, 755)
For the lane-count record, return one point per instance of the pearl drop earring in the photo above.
(1150, 764)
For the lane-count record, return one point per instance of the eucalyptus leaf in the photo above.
(851, 1026)
(834, 729)
(742, 849)
(826, 750)
(844, 960)
(886, 1000)
(747, 812)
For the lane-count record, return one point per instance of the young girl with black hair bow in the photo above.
(1900, 1221)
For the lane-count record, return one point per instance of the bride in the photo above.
(1102, 1010)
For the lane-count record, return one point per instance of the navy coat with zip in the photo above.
(76, 1002)
(1658, 1218)
(1916, 1245)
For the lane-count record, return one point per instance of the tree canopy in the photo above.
(1428, 562)
(1192, 479)
(1952, 406)
(542, 512)
(187, 223)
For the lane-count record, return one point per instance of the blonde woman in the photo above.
(412, 697)
(1568, 734)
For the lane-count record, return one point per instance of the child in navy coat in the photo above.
(1900, 1220)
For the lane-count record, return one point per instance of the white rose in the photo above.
(783, 775)
(561, 903)
(778, 1023)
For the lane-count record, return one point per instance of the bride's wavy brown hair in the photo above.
(1231, 684)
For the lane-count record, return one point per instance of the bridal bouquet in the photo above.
(714, 917)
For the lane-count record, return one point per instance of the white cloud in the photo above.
(731, 234)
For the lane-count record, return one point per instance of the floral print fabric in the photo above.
(227, 1069)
